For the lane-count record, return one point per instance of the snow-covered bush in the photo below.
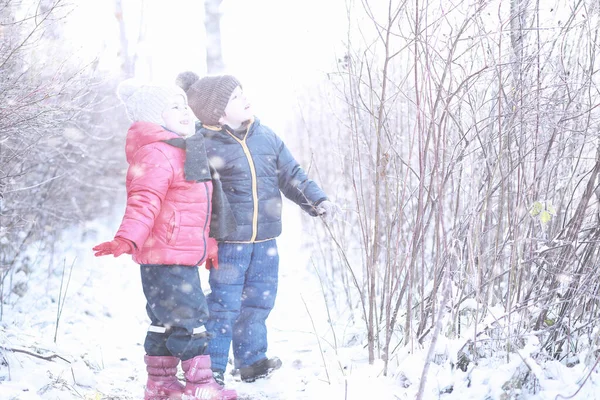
(54, 167)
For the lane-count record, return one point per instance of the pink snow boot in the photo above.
(162, 380)
(199, 381)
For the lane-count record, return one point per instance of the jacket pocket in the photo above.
(173, 227)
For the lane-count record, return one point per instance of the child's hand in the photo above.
(328, 210)
(115, 247)
(212, 258)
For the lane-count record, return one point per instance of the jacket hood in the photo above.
(143, 133)
(254, 125)
(212, 130)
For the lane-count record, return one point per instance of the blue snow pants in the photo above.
(243, 292)
(178, 311)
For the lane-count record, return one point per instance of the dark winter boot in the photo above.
(260, 369)
(162, 380)
(200, 384)
(219, 377)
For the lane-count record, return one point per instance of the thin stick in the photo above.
(47, 358)
(436, 332)
(330, 321)
(318, 339)
(61, 304)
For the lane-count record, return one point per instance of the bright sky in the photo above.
(290, 38)
(275, 47)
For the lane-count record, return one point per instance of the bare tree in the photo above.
(49, 140)
(127, 59)
(469, 150)
(212, 24)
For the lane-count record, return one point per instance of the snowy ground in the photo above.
(98, 353)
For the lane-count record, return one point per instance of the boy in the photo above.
(254, 166)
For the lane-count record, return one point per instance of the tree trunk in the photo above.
(212, 24)
(127, 60)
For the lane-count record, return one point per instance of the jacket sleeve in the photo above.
(149, 177)
(294, 182)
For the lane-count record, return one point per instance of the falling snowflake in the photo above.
(186, 287)
(136, 170)
(217, 162)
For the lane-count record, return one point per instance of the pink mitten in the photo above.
(212, 258)
(115, 247)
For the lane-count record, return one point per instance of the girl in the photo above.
(166, 228)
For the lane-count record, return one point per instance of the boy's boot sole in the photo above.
(260, 369)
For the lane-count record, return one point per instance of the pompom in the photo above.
(186, 79)
(126, 89)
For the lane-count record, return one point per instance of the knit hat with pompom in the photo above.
(146, 102)
(207, 97)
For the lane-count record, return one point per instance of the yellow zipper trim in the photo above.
(254, 180)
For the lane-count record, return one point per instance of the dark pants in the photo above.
(178, 311)
(243, 292)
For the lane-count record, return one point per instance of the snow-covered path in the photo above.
(99, 354)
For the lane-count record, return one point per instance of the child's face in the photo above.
(178, 118)
(238, 110)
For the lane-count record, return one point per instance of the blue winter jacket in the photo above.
(254, 169)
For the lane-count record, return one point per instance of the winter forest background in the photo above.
(460, 138)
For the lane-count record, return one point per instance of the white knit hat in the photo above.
(147, 102)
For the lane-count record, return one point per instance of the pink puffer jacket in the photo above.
(167, 217)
